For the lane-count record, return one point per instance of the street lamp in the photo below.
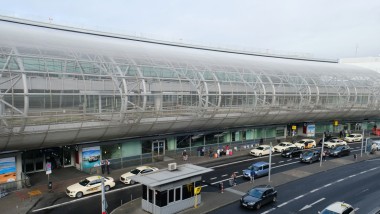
(323, 145)
(270, 161)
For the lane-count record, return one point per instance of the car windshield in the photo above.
(260, 148)
(326, 211)
(351, 135)
(301, 142)
(255, 193)
(84, 182)
(254, 168)
(282, 144)
(308, 153)
(135, 171)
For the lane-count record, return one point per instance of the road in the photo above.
(122, 194)
(356, 184)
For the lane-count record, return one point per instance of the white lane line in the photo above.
(236, 172)
(285, 164)
(289, 160)
(281, 161)
(340, 180)
(268, 211)
(213, 178)
(356, 209)
(317, 201)
(327, 185)
(273, 163)
(283, 204)
(224, 175)
(352, 176)
(314, 190)
(299, 197)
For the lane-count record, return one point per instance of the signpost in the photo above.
(48, 172)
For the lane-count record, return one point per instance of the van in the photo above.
(260, 169)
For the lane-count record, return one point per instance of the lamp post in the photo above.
(323, 145)
(270, 161)
(361, 149)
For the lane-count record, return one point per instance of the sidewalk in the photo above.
(215, 200)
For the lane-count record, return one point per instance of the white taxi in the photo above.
(283, 146)
(338, 208)
(353, 137)
(89, 185)
(334, 143)
(125, 178)
(261, 150)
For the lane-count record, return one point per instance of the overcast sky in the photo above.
(317, 28)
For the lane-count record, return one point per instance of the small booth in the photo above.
(171, 190)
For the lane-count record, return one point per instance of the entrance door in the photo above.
(158, 150)
(33, 161)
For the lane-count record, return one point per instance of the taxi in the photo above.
(338, 208)
(125, 178)
(306, 144)
(89, 185)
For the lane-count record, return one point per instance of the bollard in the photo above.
(355, 157)
(221, 187)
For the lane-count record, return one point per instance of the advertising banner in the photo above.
(310, 130)
(91, 157)
(7, 170)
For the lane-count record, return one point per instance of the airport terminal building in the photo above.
(72, 97)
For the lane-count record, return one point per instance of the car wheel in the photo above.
(258, 206)
(106, 188)
(274, 199)
(79, 194)
(260, 154)
(290, 156)
(132, 182)
(302, 147)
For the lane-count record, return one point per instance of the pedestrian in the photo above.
(184, 155)
(103, 166)
(210, 153)
(108, 166)
(324, 155)
(233, 178)
(252, 176)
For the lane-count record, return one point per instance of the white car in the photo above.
(306, 144)
(353, 137)
(334, 143)
(338, 208)
(261, 150)
(125, 178)
(89, 185)
(283, 146)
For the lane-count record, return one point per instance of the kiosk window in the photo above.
(187, 191)
(144, 195)
(171, 195)
(161, 198)
(178, 194)
(150, 196)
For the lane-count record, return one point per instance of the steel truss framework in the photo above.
(62, 93)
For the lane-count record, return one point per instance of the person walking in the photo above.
(233, 178)
(108, 166)
(184, 155)
(252, 177)
(103, 166)
(324, 156)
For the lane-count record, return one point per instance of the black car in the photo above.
(292, 152)
(340, 151)
(258, 196)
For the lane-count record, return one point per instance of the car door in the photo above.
(265, 170)
(94, 186)
(146, 171)
(259, 171)
(266, 198)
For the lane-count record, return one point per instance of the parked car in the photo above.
(327, 138)
(260, 169)
(340, 151)
(310, 156)
(377, 144)
(258, 196)
(353, 137)
(292, 152)
(338, 208)
(261, 150)
(306, 144)
(89, 185)
(125, 178)
(335, 143)
(283, 146)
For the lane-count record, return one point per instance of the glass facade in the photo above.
(66, 88)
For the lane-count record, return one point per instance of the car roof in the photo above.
(143, 167)
(95, 177)
(260, 163)
(338, 206)
(263, 187)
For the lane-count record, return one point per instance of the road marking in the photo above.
(281, 162)
(224, 175)
(236, 172)
(289, 160)
(310, 205)
(356, 209)
(268, 211)
(314, 190)
(327, 185)
(364, 190)
(213, 178)
(340, 180)
(283, 204)
(352, 176)
(298, 197)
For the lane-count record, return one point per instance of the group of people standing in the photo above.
(105, 164)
